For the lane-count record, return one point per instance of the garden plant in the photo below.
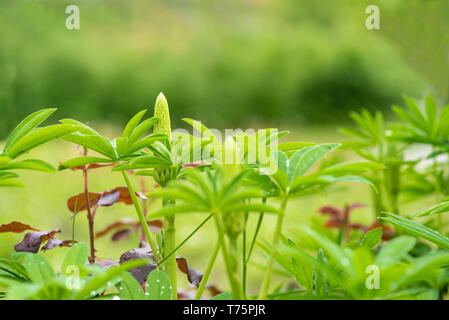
(246, 176)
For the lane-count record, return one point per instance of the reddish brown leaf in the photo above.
(109, 198)
(106, 263)
(17, 227)
(31, 243)
(106, 198)
(78, 203)
(143, 252)
(330, 210)
(213, 289)
(155, 225)
(115, 225)
(53, 243)
(387, 233)
(33, 240)
(194, 276)
(121, 235)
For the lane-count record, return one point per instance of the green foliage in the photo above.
(159, 286)
(25, 137)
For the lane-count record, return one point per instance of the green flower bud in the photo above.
(165, 174)
(162, 112)
(234, 223)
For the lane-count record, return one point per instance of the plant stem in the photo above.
(142, 219)
(210, 265)
(186, 239)
(89, 217)
(259, 223)
(170, 246)
(244, 258)
(437, 192)
(234, 282)
(276, 237)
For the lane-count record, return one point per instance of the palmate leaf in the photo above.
(11, 183)
(417, 229)
(27, 124)
(82, 161)
(132, 124)
(159, 286)
(394, 251)
(143, 162)
(372, 238)
(352, 167)
(101, 282)
(421, 266)
(178, 209)
(38, 268)
(342, 258)
(37, 137)
(301, 183)
(305, 158)
(93, 142)
(436, 209)
(76, 256)
(30, 164)
(129, 288)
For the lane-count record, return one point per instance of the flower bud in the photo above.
(162, 112)
(233, 223)
(165, 174)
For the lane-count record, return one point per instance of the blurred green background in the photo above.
(292, 64)
(230, 63)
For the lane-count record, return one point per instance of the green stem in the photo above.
(170, 246)
(437, 192)
(276, 237)
(234, 282)
(244, 259)
(146, 229)
(186, 239)
(210, 265)
(256, 233)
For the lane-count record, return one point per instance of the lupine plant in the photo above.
(247, 174)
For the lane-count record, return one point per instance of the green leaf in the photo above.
(76, 256)
(23, 291)
(417, 229)
(144, 162)
(27, 124)
(132, 124)
(302, 269)
(101, 282)
(305, 158)
(82, 161)
(13, 267)
(37, 137)
(372, 238)
(129, 288)
(352, 167)
(422, 264)
(30, 164)
(222, 296)
(158, 286)
(293, 146)
(439, 208)
(341, 257)
(93, 142)
(198, 125)
(38, 268)
(11, 183)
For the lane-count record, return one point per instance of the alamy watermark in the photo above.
(72, 22)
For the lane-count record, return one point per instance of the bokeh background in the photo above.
(300, 65)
